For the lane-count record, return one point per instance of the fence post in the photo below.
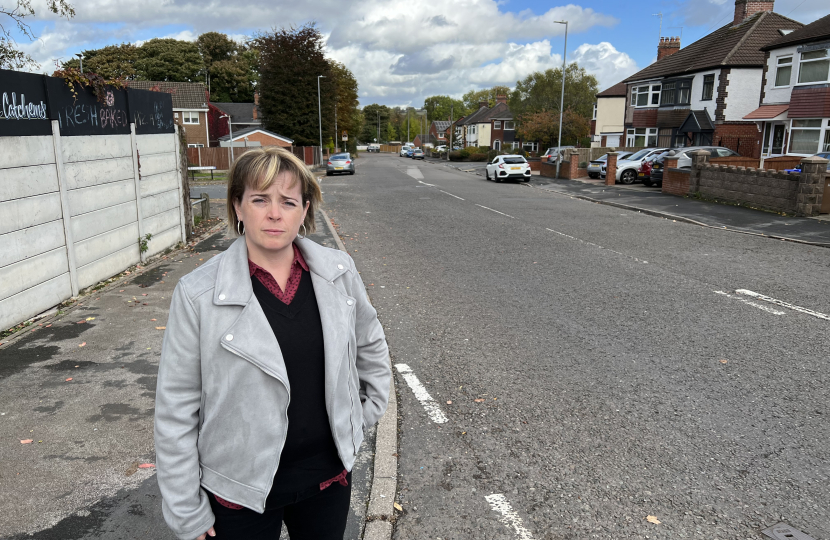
(179, 182)
(205, 205)
(810, 186)
(137, 181)
(67, 220)
(699, 159)
(199, 150)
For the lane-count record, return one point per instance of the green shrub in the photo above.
(465, 152)
(478, 157)
(583, 164)
(455, 155)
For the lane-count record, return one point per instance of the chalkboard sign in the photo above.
(24, 111)
(151, 112)
(84, 114)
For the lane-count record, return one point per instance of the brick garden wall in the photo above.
(767, 189)
(676, 182)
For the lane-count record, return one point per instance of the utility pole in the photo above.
(452, 128)
(407, 124)
(319, 116)
(378, 126)
(561, 99)
(336, 133)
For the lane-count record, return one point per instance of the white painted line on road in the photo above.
(433, 410)
(509, 517)
(751, 303)
(496, 211)
(451, 195)
(415, 173)
(595, 245)
(781, 303)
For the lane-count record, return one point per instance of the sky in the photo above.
(403, 52)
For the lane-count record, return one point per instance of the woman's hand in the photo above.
(210, 532)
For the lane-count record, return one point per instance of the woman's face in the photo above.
(272, 217)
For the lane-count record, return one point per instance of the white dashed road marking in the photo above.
(450, 194)
(509, 517)
(496, 211)
(433, 410)
(781, 303)
(595, 245)
(751, 303)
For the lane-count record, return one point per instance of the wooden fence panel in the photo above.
(737, 161)
(781, 163)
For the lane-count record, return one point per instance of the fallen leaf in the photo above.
(122, 290)
(652, 519)
(70, 378)
(161, 327)
(724, 361)
(479, 400)
(132, 469)
(26, 441)
(146, 466)
(48, 325)
(153, 319)
(82, 344)
(90, 318)
(449, 402)
(143, 294)
(77, 366)
(398, 507)
(82, 322)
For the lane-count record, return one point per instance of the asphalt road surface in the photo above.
(568, 370)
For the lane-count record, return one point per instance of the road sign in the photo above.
(345, 135)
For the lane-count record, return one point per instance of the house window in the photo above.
(515, 144)
(708, 87)
(496, 124)
(190, 117)
(440, 135)
(655, 94)
(641, 137)
(814, 67)
(668, 93)
(530, 146)
(805, 136)
(639, 96)
(827, 140)
(595, 112)
(195, 145)
(509, 125)
(684, 92)
(784, 71)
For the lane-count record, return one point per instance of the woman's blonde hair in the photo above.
(257, 169)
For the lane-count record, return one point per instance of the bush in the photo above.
(465, 152)
(478, 157)
(455, 155)
(583, 164)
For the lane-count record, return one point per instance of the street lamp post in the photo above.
(230, 134)
(81, 58)
(452, 128)
(320, 116)
(378, 111)
(561, 100)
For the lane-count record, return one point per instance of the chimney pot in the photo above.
(745, 9)
(667, 47)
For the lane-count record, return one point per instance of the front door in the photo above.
(774, 140)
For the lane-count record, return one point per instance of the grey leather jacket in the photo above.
(222, 395)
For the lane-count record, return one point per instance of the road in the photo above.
(566, 369)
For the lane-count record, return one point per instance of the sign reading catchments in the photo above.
(23, 109)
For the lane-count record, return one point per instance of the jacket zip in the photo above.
(351, 394)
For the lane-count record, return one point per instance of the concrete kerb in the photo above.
(666, 215)
(381, 509)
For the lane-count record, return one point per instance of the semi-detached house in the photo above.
(190, 107)
(701, 94)
(794, 113)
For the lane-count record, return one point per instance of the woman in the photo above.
(273, 365)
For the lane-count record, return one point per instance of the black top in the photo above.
(309, 455)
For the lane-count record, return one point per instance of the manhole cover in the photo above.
(782, 531)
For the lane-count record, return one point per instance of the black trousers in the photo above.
(308, 515)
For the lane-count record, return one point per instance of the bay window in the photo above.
(783, 71)
(684, 92)
(668, 93)
(814, 67)
(805, 136)
(641, 137)
(509, 125)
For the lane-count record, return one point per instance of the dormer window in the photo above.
(783, 71)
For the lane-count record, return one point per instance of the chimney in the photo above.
(745, 9)
(667, 47)
(254, 110)
(483, 103)
(256, 98)
(501, 99)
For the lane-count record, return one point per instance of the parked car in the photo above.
(411, 151)
(417, 154)
(627, 169)
(551, 156)
(373, 148)
(596, 168)
(653, 176)
(508, 167)
(404, 150)
(340, 163)
(441, 148)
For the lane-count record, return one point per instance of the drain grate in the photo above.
(782, 531)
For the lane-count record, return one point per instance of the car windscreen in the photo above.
(603, 157)
(514, 160)
(340, 157)
(639, 154)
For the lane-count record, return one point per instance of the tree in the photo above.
(10, 56)
(439, 108)
(169, 60)
(540, 91)
(373, 115)
(543, 126)
(291, 59)
(472, 99)
(345, 95)
(230, 67)
(110, 62)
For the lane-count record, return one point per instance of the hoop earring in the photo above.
(239, 227)
(305, 232)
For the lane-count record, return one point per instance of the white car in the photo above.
(629, 168)
(404, 150)
(441, 148)
(509, 167)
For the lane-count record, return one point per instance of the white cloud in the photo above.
(609, 65)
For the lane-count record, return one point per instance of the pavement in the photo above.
(573, 370)
(80, 384)
(640, 198)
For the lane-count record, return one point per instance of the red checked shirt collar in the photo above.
(265, 277)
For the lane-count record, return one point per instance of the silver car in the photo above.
(596, 167)
(340, 163)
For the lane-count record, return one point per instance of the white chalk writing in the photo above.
(12, 110)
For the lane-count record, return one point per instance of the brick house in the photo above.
(699, 95)
(607, 125)
(794, 111)
(494, 128)
(439, 132)
(242, 116)
(190, 107)
(255, 137)
(476, 127)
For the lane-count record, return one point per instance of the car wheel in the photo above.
(647, 182)
(486, 174)
(329, 173)
(628, 176)
(593, 175)
(352, 173)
